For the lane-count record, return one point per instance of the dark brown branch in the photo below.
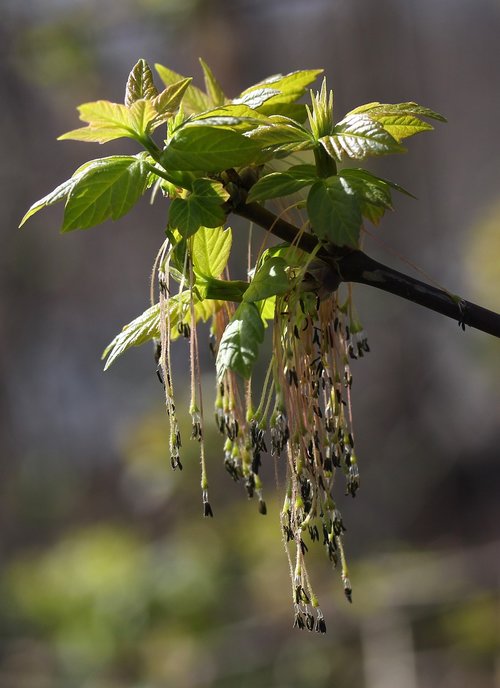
(349, 265)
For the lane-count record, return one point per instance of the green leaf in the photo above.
(271, 279)
(107, 189)
(277, 184)
(210, 250)
(207, 148)
(147, 325)
(238, 117)
(291, 87)
(201, 207)
(282, 134)
(254, 99)
(358, 136)
(401, 120)
(194, 100)
(168, 101)
(140, 84)
(374, 193)
(108, 121)
(239, 345)
(142, 329)
(213, 88)
(58, 194)
(335, 211)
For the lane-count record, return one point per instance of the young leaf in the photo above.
(291, 87)
(358, 136)
(270, 279)
(401, 120)
(168, 101)
(238, 117)
(140, 84)
(282, 134)
(58, 194)
(142, 329)
(194, 100)
(213, 88)
(147, 326)
(278, 184)
(373, 193)
(108, 121)
(105, 190)
(254, 99)
(208, 148)
(201, 207)
(210, 250)
(239, 345)
(334, 210)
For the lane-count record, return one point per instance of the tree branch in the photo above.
(350, 265)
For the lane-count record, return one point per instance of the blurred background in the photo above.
(109, 575)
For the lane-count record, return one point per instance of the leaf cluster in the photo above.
(197, 143)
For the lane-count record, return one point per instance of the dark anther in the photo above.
(296, 332)
(160, 376)
(350, 351)
(230, 466)
(313, 533)
(299, 621)
(256, 462)
(262, 507)
(304, 548)
(309, 622)
(175, 462)
(207, 510)
(250, 485)
(317, 411)
(320, 625)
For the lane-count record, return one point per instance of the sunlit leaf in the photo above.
(194, 99)
(239, 345)
(208, 148)
(201, 207)
(255, 98)
(105, 190)
(58, 194)
(168, 101)
(358, 136)
(291, 87)
(401, 120)
(277, 184)
(213, 88)
(140, 84)
(210, 250)
(147, 326)
(270, 279)
(335, 211)
(282, 134)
